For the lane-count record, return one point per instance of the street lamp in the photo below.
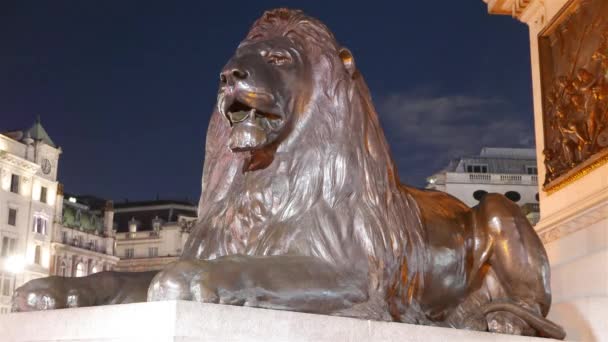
(15, 265)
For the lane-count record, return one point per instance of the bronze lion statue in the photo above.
(302, 209)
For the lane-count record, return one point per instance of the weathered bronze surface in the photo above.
(574, 66)
(302, 208)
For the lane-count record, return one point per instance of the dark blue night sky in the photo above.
(126, 87)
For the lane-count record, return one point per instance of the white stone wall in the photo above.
(18, 159)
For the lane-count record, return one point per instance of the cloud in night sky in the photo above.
(426, 130)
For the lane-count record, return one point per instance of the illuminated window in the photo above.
(8, 246)
(153, 251)
(80, 272)
(38, 255)
(40, 224)
(5, 284)
(12, 217)
(15, 184)
(43, 192)
(129, 253)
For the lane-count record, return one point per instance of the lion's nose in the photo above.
(232, 75)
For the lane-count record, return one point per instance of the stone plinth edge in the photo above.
(189, 321)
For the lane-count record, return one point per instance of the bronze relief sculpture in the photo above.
(302, 209)
(574, 62)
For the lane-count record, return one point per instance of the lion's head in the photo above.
(269, 84)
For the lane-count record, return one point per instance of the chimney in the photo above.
(108, 223)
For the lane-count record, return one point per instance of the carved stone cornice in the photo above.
(576, 217)
(520, 9)
(27, 166)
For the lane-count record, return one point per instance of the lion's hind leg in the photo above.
(519, 266)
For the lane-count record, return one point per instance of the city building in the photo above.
(151, 234)
(508, 171)
(28, 206)
(83, 239)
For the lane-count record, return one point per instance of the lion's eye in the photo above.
(278, 57)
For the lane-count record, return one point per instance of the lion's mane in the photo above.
(332, 190)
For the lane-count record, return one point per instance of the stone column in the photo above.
(569, 80)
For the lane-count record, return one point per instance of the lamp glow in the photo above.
(14, 264)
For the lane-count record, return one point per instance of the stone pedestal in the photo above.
(189, 321)
(573, 206)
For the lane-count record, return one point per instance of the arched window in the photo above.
(80, 270)
(62, 269)
(95, 269)
(513, 196)
(478, 195)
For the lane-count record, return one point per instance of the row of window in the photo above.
(483, 168)
(130, 252)
(9, 245)
(80, 270)
(40, 224)
(14, 188)
(512, 195)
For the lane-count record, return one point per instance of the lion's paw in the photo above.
(503, 322)
(173, 283)
(37, 295)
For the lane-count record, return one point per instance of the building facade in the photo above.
(83, 239)
(151, 234)
(508, 171)
(28, 207)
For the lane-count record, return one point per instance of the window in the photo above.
(8, 246)
(80, 270)
(15, 184)
(64, 237)
(513, 195)
(12, 217)
(43, 194)
(536, 197)
(531, 170)
(62, 269)
(478, 195)
(95, 269)
(39, 225)
(153, 251)
(473, 168)
(38, 255)
(5, 284)
(129, 253)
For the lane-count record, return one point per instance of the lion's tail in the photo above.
(543, 326)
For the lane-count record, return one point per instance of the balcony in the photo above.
(491, 178)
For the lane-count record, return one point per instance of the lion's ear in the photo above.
(348, 60)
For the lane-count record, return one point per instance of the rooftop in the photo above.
(496, 160)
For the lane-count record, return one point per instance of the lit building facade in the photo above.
(151, 234)
(83, 239)
(508, 171)
(28, 207)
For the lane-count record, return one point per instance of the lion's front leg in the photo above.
(276, 282)
(101, 288)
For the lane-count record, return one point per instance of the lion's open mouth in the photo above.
(239, 112)
(251, 128)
